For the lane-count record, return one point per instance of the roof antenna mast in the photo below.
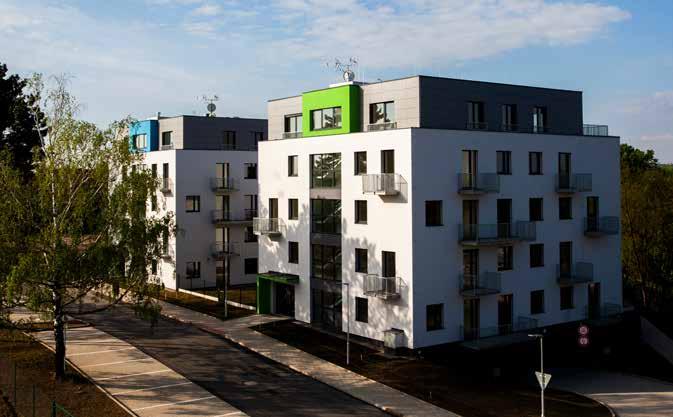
(210, 106)
(345, 68)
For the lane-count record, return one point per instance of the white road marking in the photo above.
(629, 393)
(152, 388)
(177, 402)
(230, 414)
(113, 363)
(100, 351)
(126, 376)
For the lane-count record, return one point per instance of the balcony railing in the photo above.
(600, 226)
(509, 127)
(381, 126)
(478, 183)
(230, 216)
(224, 249)
(571, 183)
(166, 185)
(476, 285)
(603, 311)
(223, 184)
(167, 147)
(540, 129)
(382, 287)
(496, 234)
(595, 130)
(265, 226)
(292, 135)
(577, 273)
(521, 324)
(381, 184)
(476, 125)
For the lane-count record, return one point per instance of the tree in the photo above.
(79, 221)
(19, 129)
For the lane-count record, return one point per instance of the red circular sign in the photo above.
(583, 330)
(583, 341)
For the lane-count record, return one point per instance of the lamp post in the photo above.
(348, 323)
(542, 384)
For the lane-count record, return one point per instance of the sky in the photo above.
(138, 57)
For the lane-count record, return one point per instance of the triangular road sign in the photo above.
(542, 379)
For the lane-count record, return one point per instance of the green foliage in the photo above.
(635, 160)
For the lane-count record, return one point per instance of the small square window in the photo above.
(433, 213)
(537, 302)
(193, 270)
(361, 211)
(361, 260)
(434, 317)
(250, 171)
(360, 163)
(535, 212)
(565, 208)
(505, 258)
(535, 163)
(536, 255)
(292, 166)
(293, 252)
(250, 266)
(567, 297)
(361, 310)
(504, 162)
(193, 204)
(293, 209)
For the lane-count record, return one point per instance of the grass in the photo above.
(449, 378)
(34, 370)
(202, 305)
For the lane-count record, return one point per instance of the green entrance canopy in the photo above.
(264, 288)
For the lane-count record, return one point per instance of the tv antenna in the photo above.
(211, 104)
(345, 68)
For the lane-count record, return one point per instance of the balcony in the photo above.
(382, 287)
(496, 234)
(167, 147)
(572, 183)
(595, 130)
(222, 184)
(292, 135)
(522, 324)
(229, 216)
(475, 184)
(601, 226)
(381, 184)
(381, 126)
(264, 226)
(476, 285)
(476, 125)
(577, 273)
(166, 185)
(541, 129)
(509, 127)
(221, 250)
(604, 311)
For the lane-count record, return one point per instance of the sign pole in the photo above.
(543, 375)
(348, 324)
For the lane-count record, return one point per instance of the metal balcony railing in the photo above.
(264, 226)
(509, 127)
(577, 273)
(571, 183)
(381, 126)
(476, 125)
(167, 147)
(292, 135)
(224, 249)
(489, 234)
(382, 287)
(230, 216)
(481, 183)
(595, 130)
(541, 129)
(600, 226)
(475, 285)
(603, 311)
(166, 185)
(223, 184)
(521, 324)
(381, 184)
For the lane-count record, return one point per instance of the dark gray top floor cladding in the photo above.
(216, 133)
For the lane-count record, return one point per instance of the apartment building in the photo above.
(430, 210)
(207, 168)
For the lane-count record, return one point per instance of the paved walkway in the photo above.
(628, 395)
(358, 386)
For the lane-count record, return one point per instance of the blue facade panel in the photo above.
(150, 128)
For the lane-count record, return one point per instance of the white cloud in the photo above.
(207, 10)
(662, 137)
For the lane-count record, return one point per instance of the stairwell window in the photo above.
(329, 118)
(326, 170)
(193, 204)
(382, 112)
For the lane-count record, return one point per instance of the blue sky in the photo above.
(140, 57)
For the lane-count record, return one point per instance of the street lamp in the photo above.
(542, 381)
(348, 322)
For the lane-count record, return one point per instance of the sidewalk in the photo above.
(238, 330)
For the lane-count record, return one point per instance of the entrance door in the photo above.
(592, 214)
(469, 169)
(594, 305)
(471, 319)
(505, 314)
(470, 219)
(504, 217)
(470, 269)
(284, 299)
(564, 170)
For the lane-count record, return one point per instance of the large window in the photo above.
(193, 270)
(361, 211)
(326, 216)
(475, 115)
(361, 260)
(505, 258)
(193, 204)
(535, 163)
(504, 162)
(293, 123)
(292, 209)
(326, 262)
(565, 208)
(326, 170)
(360, 163)
(361, 310)
(292, 166)
(293, 252)
(434, 315)
(509, 117)
(536, 255)
(326, 118)
(382, 112)
(535, 209)
(140, 141)
(537, 302)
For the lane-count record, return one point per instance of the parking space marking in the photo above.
(175, 403)
(230, 414)
(114, 363)
(129, 375)
(152, 388)
(100, 351)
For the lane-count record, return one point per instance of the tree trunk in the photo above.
(59, 336)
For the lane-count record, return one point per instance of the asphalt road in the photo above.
(251, 383)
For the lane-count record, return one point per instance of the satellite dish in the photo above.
(349, 75)
(211, 107)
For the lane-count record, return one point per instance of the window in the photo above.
(509, 117)
(293, 209)
(258, 136)
(388, 268)
(326, 216)
(326, 262)
(361, 310)
(536, 255)
(140, 141)
(326, 118)
(505, 258)
(504, 162)
(193, 204)
(433, 213)
(250, 235)
(535, 210)
(388, 161)
(153, 267)
(326, 170)
(567, 297)
(292, 166)
(293, 252)
(361, 211)
(361, 260)
(250, 266)
(229, 139)
(475, 115)
(382, 112)
(565, 208)
(540, 121)
(535, 163)
(360, 163)
(193, 270)
(434, 315)
(153, 202)
(537, 302)
(166, 138)
(293, 123)
(250, 171)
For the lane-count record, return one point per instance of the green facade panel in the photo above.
(263, 295)
(348, 97)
